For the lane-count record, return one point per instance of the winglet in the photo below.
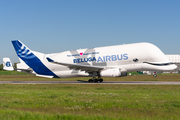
(49, 59)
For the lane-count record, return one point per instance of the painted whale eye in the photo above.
(135, 60)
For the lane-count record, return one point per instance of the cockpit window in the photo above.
(135, 60)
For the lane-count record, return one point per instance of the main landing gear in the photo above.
(94, 79)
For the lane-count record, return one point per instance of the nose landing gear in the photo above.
(154, 75)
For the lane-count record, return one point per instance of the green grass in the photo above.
(91, 102)
(88, 101)
(12, 73)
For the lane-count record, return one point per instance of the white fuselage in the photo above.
(130, 57)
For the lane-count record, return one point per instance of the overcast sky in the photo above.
(52, 26)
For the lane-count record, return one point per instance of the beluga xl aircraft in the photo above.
(110, 61)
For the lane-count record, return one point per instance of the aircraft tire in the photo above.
(155, 75)
(90, 80)
(100, 80)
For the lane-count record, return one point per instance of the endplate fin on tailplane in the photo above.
(86, 68)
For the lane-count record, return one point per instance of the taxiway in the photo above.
(86, 82)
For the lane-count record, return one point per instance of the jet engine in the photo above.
(113, 73)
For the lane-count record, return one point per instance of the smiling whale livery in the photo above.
(110, 61)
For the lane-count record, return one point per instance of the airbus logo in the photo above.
(22, 51)
(102, 59)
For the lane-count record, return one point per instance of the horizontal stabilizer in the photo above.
(46, 76)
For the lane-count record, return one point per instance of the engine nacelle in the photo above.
(113, 73)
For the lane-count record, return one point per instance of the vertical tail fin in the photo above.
(7, 65)
(22, 51)
(32, 59)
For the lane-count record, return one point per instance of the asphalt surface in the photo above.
(86, 82)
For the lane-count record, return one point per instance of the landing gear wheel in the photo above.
(90, 80)
(100, 80)
(155, 75)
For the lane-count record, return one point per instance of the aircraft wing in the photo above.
(86, 68)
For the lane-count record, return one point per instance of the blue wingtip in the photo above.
(50, 60)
